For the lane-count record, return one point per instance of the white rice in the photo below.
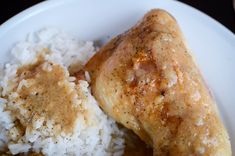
(94, 132)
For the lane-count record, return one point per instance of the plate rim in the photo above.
(41, 6)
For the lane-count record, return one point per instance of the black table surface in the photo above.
(221, 10)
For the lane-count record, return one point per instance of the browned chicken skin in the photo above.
(146, 80)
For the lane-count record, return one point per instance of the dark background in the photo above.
(221, 10)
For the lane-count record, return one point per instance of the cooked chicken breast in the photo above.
(147, 80)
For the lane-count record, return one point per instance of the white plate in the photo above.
(213, 45)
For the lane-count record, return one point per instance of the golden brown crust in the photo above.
(146, 79)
